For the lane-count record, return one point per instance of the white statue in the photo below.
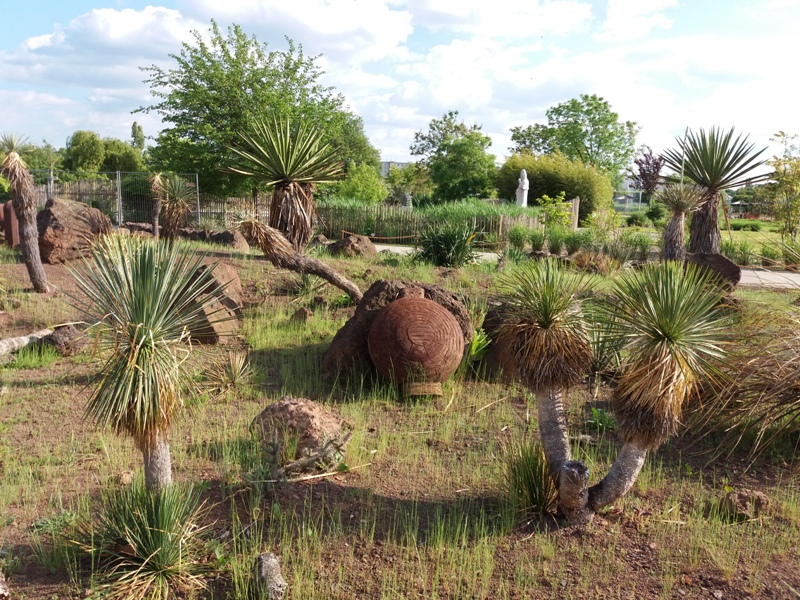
(522, 189)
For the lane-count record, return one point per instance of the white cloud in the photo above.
(634, 19)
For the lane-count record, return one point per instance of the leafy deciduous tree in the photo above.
(440, 132)
(784, 189)
(647, 174)
(120, 156)
(584, 129)
(137, 136)
(462, 168)
(363, 183)
(85, 151)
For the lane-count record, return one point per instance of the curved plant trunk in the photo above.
(157, 462)
(13, 344)
(553, 430)
(674, 243)
(704, 234)
(621, 477)
(155, 214)
(292, 212)
(281, 254)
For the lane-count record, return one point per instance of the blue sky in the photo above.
(666, 64)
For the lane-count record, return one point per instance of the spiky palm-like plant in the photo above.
(294, 160)
(716, 161)
(669, 318)
(24, 203)
(543, 330)
(680, 199)
(145, 299)
(172, 197)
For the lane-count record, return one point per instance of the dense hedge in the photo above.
(554, 174)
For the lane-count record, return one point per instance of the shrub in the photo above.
(536, 239)
(577, 240)
(555, 240)
(637, 219)
(728, 249)
(447, 245)
(745, 253)
(770, 255)
(656, 211)
(743, 225)
(146, 544)
(364, 184)
(557, 211)
(528, 485)
(517, 236)
(553, 174)
(639, 242)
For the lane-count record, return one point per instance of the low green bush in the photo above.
(536, 238)
(528, 485)
(656, 211)
(637, 219)
(517, 236)
(555, 240)
(771, 255)
(575, 241)
(448, 245)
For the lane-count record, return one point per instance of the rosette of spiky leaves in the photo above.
(543, 325)
(175, 196)
(147, 544)
(293, 159)
(674, 332)
(146, 299)
(680, 199)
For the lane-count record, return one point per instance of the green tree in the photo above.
(119, 156)
(784, 187)
(462, 168)
(221, 85)
(42, 158)
(413, 179)
(23, 200)
(137, 136)
(584, 129)
(716, 161)
(146, 299)
(441, 132)
(292, 160)
(85, 151)
(363, 183)
(553, 174)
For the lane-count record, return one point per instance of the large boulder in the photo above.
(232, 239)
(221, 315)
(67, 228)
(307, 424)
(67, 340)
(349, 351)
(353, 246)
(724, 271)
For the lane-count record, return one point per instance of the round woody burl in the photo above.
(416, 343)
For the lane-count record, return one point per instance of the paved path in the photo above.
(750, 277)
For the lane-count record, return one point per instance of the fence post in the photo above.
(119, 200)
(197, 193)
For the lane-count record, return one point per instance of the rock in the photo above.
(67, 340)
(318, 240)
(744, 504)
(231, 239)
(269, 580)
(349, 353)
(10, 225)
(140, 228)
(726, 272)
(221, 316)
(67, 228)
(353, 246)
(5, 593)
(309, 423)
(301, 315)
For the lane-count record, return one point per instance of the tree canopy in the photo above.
(462, 168)
(220, 87)
(584, 129)
(84, 152)
(441, 132)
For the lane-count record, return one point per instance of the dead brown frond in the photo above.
(20, 181)
(292, 210)
(271, 241)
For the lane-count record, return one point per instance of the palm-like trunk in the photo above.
(674, 244)
(24, 203)
(157, 461)
(292, 212)
(553, 430)
(704, 234)
(621, 477)
(155, 215)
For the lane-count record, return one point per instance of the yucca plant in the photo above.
(146, 544)
(293, 159)
(544, 330)
(172, 198)
(669, 319)
(145, 299)
(447, 245)
(24, 202)
(680, 199)
(716, 161)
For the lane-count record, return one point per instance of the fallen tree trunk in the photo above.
(281, 254)
(13, 344)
